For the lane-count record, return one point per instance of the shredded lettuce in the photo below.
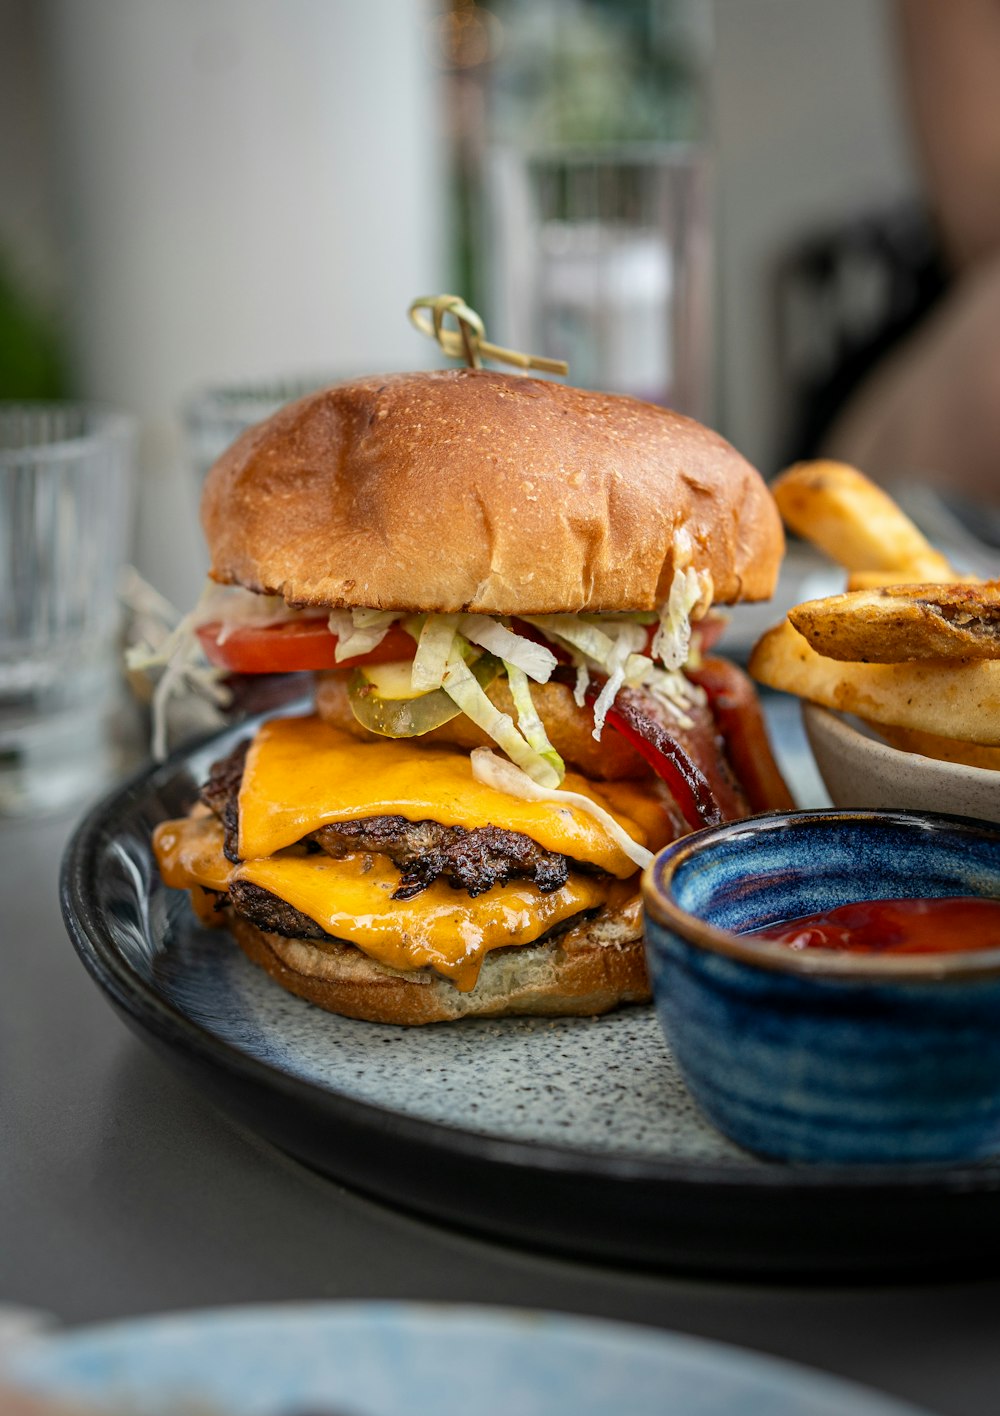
(534, 659)
(528, 721)
(359, 631)
(493, 771)
(374, 619)
(633, 616)
(628, 640)
(690, 592)
(672, 641)
(611, 647)
(581, 685)
(637, 669)
(144, 601)
(180, 656)
(576, 632)
(616, 644)
(229, 606)
(437, 638)
(340, 623)
(236, 613)
(675, 693)
(461, 686)
(210, 606)
(183, 668)
(604, 700)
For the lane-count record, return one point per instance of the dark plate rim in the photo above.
(95, 944)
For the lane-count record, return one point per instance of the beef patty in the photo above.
(424, 851)
(272, 914)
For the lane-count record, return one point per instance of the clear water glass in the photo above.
(603, 257)
(66, 485)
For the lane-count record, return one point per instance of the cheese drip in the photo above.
(189, 852)
(439, 929)
(302, 774)
(352, 900)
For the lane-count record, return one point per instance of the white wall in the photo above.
(251, 188)
(809, 127)
(27, 227)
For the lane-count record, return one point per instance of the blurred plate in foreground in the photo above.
(386, 1359)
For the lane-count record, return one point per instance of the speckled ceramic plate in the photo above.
(394, 1359)
(571, 1134)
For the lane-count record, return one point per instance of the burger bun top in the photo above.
(469, 490)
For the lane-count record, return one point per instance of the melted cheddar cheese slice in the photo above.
(351, 899)
(302, 774)
(440, 928)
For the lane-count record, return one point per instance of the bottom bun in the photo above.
(588, 969)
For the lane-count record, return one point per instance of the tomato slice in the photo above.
(293, 645)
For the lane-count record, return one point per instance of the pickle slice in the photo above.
(410, 717)
(392, 680)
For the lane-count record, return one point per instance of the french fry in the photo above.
(854, 522)
(875, 579)
(956, 700)
(899, 623)
(969, 754)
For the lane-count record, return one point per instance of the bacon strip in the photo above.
(687, 783)
(740, 720)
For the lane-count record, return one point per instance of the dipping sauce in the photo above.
(952, 925)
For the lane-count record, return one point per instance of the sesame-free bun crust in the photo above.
(588, 969)
(471, 490)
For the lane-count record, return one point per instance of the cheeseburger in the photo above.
(504, 587)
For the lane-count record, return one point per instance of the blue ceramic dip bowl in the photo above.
(819, 1055)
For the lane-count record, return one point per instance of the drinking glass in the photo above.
(603, 257)
(66, 481)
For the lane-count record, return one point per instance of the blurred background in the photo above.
(226, 195)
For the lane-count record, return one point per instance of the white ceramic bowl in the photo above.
(860, 770)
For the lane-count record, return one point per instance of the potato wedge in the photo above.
(899, 623)
(855, 522)
(969, 754)
(949, 699)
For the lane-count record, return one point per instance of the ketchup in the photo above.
(951, 925)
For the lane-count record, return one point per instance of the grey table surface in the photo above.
(123, 1193)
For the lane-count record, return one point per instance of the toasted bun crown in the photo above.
(472, 490)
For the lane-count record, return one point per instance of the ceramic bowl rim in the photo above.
(766, 954)
(854, 740)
